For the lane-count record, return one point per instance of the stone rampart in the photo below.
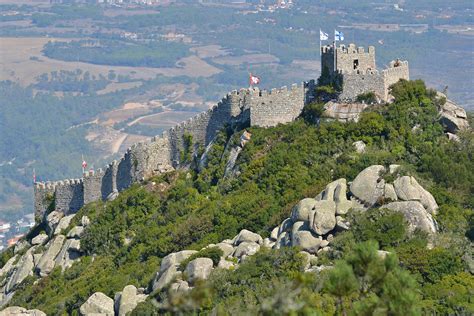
(269, 108)
(109, 180)
(92, 181)
(355, 68)
(44, 196)
(124, 171)
(149, 158)
(69, 195)
(359, 82)
(397, 70)
(163, 153)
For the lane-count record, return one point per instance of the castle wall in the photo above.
(93, 185)
(109, 180)
(69, 195)
(397, 70)
(44, 195)
(124, 172)
(270, 108)
(162, 153)
(205, 126)
(354, 84)
(150, 158)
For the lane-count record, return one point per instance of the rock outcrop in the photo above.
(47, 261)
(52, 220)
(344, 112)
(368, 186)
(43, 254)
(40, 239)
(128, 299)
(408, 189)
(234, 152)
(98, 304)
(63, 224)
(21, 270)
(453, 117)
(198, 269)
(20, 311)
(415, 214)
(359, 146)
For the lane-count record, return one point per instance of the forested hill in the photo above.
(376, 260)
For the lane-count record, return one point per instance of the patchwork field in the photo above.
(21, 61)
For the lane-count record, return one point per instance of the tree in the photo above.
(342, 283)
(374, 284)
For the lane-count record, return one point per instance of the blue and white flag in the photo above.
(323, 36)
(338, 36)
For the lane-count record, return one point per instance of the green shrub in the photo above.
(326, 92)
(6, 255)
(213, 253)
(452, 295)
(312, 112)
(428, 265)
(367, 283)
(387, 227)
(367, 98)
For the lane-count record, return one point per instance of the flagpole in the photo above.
(320, 54)
(334, 53)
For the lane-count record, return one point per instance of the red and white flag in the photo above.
(254, 80)
(84, 164)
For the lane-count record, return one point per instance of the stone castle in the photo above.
(356, 71)
(248, 107)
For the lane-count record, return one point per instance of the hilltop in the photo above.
(216, 226)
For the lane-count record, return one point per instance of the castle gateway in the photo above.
(247, 107)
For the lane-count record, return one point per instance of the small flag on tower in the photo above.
(84, 165)
(34, 176)
(254, 80)
(323, 36)
(338, 36)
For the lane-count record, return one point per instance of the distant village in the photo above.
(263, 4)
(11, 232)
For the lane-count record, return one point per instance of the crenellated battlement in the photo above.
(352, 49)
(396, 67)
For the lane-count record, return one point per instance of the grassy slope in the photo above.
(278, 167)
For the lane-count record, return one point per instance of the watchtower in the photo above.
(348, 59)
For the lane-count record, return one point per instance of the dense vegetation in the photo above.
(279, 166)
(120, 53)
(71, 81)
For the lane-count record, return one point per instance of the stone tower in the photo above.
(355, 70)
(348, 59)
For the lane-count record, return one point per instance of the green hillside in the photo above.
(189, 209)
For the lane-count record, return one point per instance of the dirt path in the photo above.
(116, 144)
